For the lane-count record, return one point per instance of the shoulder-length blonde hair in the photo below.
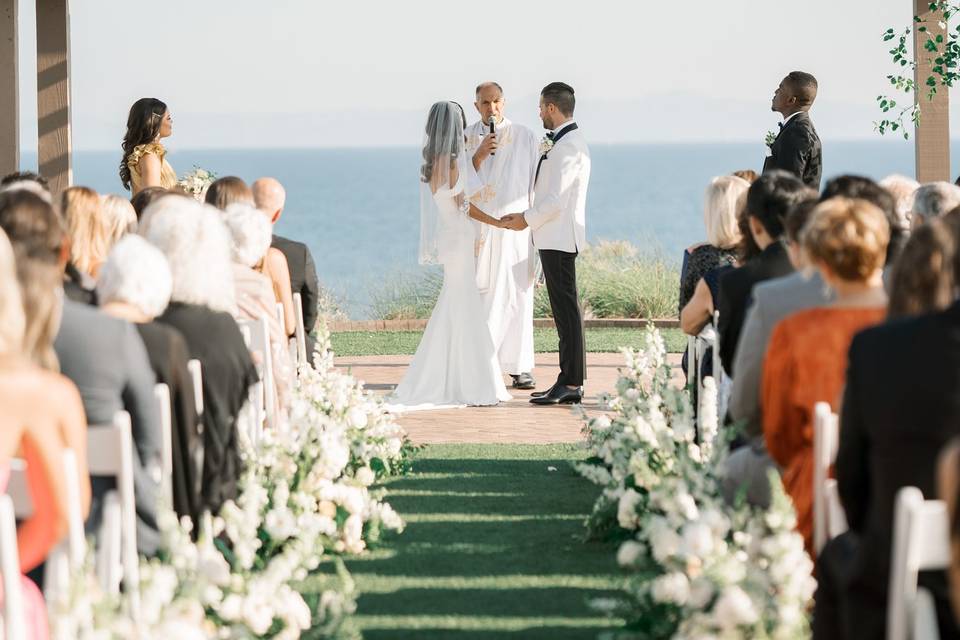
(723, 201)
(89, 241)
(119, 217)
(12, 319)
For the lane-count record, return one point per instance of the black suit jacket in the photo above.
(303, 276)
(797, 150)
(736, 289)
(901, 405)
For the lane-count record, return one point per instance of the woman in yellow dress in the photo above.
(144, 162)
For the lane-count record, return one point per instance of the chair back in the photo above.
(14, 624)
(301, 334)
(110, 453)
(196, 376)
(692, 361)
(162, 393)
(921, 541)
(826, 439)
(255, 334)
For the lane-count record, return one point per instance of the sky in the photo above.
(305, 73)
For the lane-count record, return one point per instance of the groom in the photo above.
(557, 221)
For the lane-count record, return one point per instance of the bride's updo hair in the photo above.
(143, 126)
(443, 137)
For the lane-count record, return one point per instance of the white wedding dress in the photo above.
(456, 363)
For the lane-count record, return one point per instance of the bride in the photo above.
(456, 363)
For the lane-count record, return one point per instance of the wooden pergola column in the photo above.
(53, 93)
(932, 135)
(9, 93)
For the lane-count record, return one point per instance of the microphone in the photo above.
(492, 121)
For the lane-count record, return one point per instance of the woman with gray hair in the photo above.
(135, 285)
(197, 247)
(251, 233)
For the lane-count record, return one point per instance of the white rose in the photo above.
(697, 539)
(366, 476)
(701, 591)
(734, 609)
(672, 588)
(629, 552)
(357, 418)
(664, 543)
(627, 509)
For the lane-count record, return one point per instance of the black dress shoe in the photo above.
(523, 381)
(560, 394)
(540, 394)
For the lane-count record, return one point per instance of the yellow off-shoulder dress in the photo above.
(168, 177)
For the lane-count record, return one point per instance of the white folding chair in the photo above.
(260, 341)
(162, 393)
(14, 625)
(301, 333)
(691, 361)
(921, 541)
(110, 453)
(253, 413)
(829, 519)
(196, 376)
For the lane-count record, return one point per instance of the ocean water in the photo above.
(358, 209)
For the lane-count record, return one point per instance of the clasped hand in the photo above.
(514, 221)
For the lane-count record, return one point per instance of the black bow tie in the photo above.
(780, 124)
(550, 135)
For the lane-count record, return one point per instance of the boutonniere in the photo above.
(545, 146)
(770, 139)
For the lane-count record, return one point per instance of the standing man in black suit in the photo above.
(769, 200)
(797, 147)
(270, 197)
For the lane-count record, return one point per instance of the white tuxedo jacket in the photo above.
(557, 219)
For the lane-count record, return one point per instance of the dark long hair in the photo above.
(440, 140)
(143, 126)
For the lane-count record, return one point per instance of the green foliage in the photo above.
(405, 296)
(942, 51)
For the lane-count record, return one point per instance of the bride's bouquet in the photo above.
(197, 182)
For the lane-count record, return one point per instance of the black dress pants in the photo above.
(560, 272)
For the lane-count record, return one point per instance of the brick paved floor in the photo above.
(516, 421)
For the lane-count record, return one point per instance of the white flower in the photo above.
(365, 476)
(629, 552)
(672, 588)
(734, 608)
(664, 542)
(697, 539)
(627, 509)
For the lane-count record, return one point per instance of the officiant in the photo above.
(505, 157)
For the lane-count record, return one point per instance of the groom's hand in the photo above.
(515, 221)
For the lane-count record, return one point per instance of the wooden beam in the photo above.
(9, 92)
(53, 93)
(932, 135)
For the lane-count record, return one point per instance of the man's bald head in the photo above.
(270, 197)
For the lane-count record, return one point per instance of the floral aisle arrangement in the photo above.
(698, 566)
(196, 182)
(307, 494)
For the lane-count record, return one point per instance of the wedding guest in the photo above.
(103, 356)
(91, 229)
(135, 285)
(797, 147)
(197, 246)
(948, 488)
(145, 197)
(270, 198)
(25, 176)
(846, 241)
(899, 410)
(144, 163)
(768, 201)
(725, 197)
(42, 417)
(933, 200)
(747, 174)
(119, 216)
(903, 190)
(227, 190)
(250, 232)
(859, 187)
(922, 280)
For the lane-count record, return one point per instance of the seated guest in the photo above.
(903, 190)
(135, 285)
(227, 190)
(933, 200)
(197, 246)
(25, 176)
(921, 280)
(724, 199)
(119, 215)
(87, 230)
(899, 410)
(146, 197)
(948, 488)
(42, 416)
(250, 232)
(270, 199)
(698, 312)
(846, 241)
(103, 356)
(747, 174)
(768, 201)
(861, 188)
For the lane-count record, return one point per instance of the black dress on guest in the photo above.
(214, 338)
(697, 263)
(169, 355)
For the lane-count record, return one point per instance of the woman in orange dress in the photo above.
(807, 357)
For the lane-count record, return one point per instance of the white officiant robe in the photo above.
(506, 263)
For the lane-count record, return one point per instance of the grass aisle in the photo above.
(493, 549)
